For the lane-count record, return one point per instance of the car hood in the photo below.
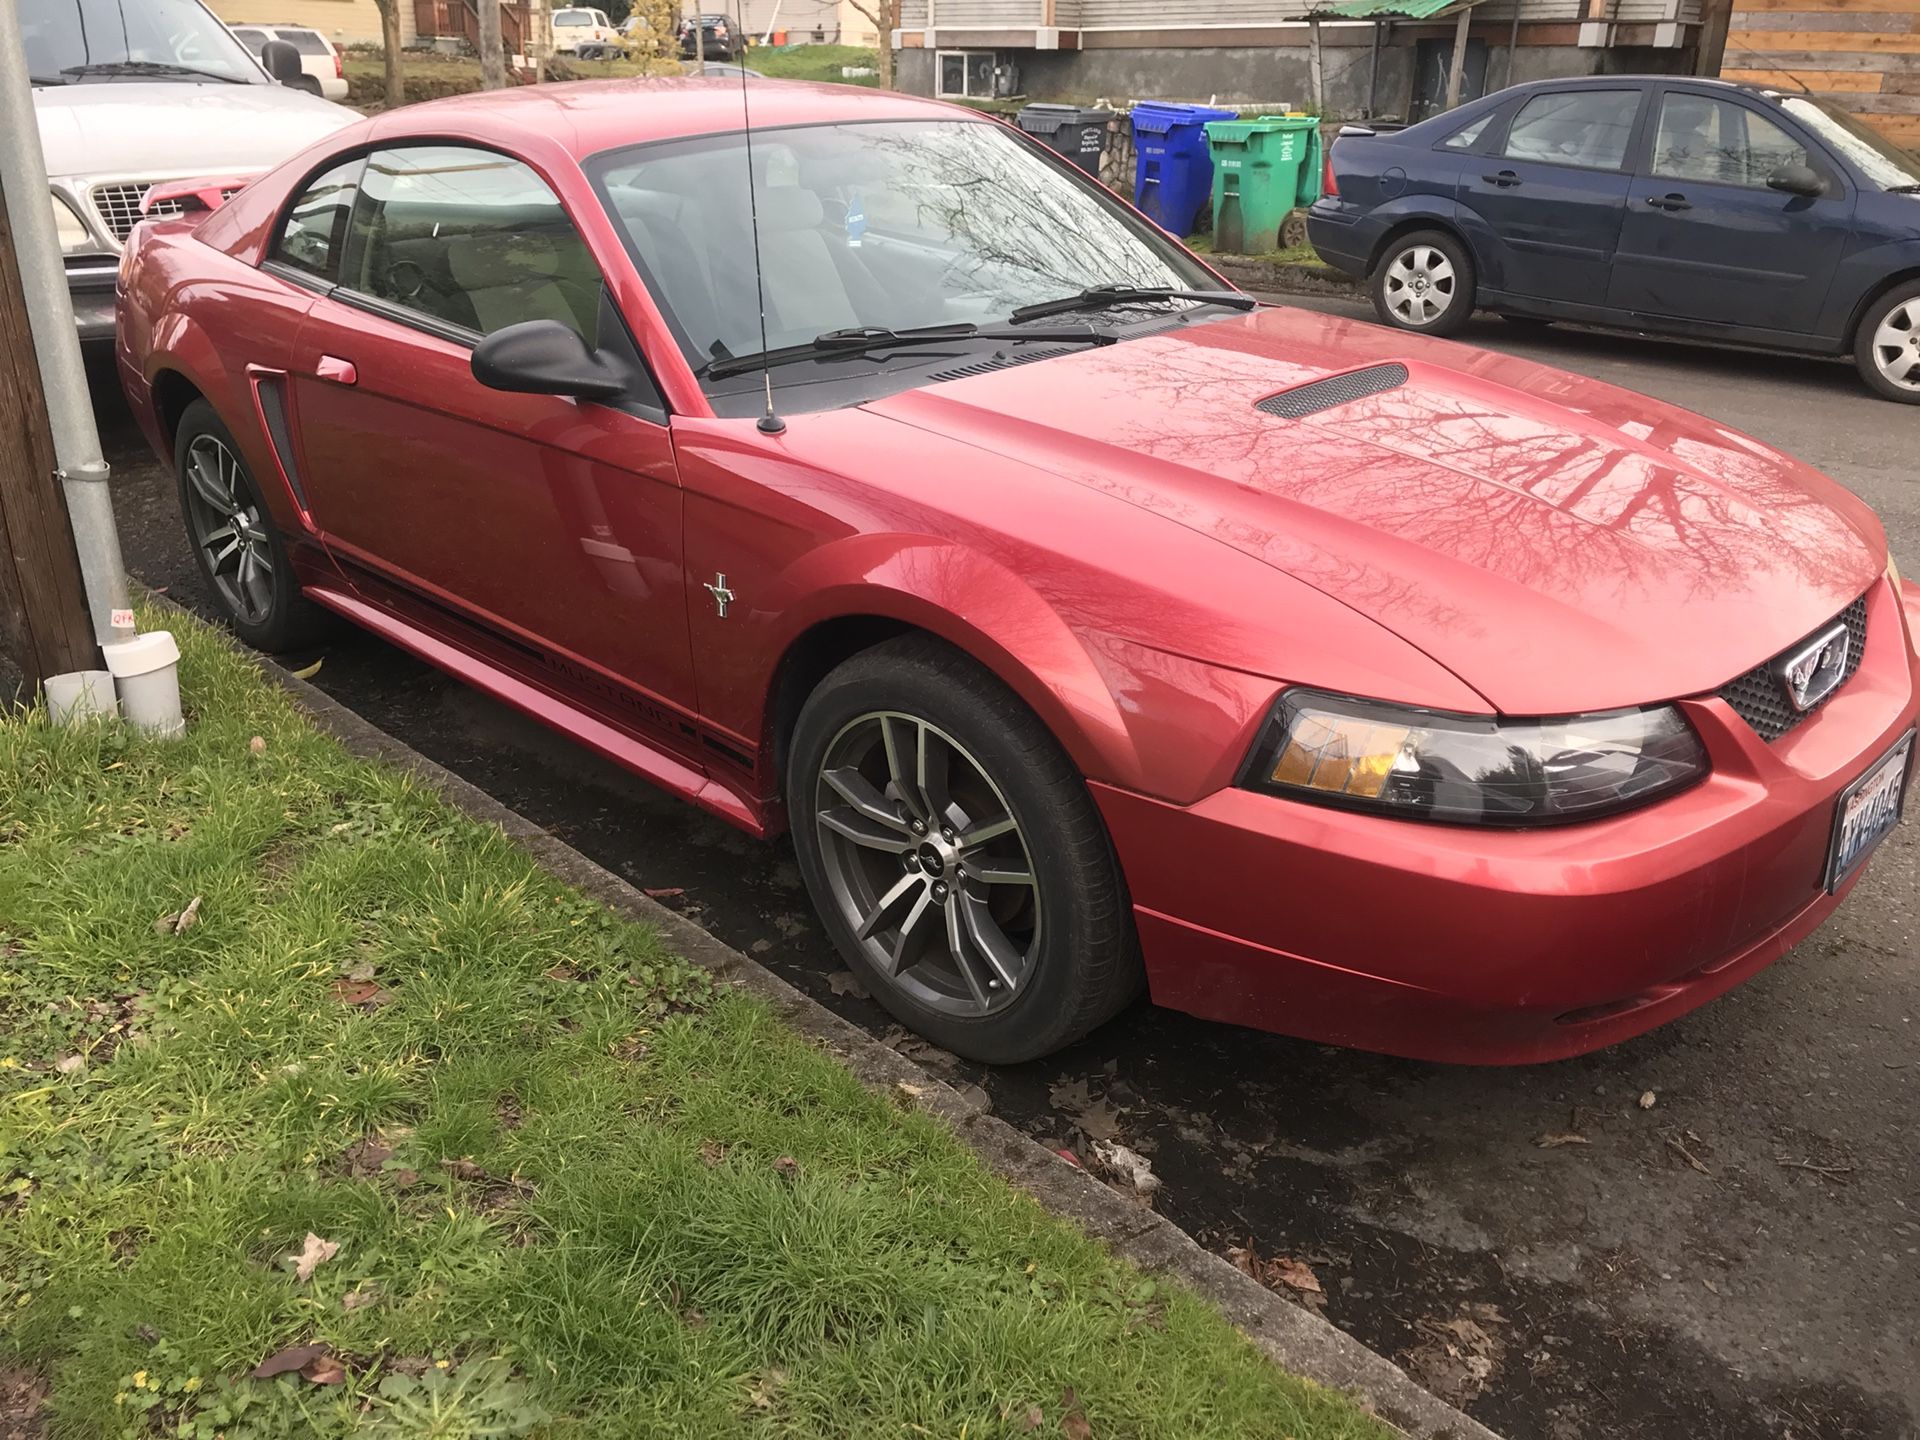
(137, 128)
(1560, 544)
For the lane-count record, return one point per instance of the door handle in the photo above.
(1506, 179)
(1669, 202)
(333, 368)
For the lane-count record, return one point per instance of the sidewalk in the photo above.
(308, 1077)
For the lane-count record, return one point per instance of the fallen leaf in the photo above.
(976, 1096)
(324, 1370)
(1071, 1158)
(464, 1170)
(359, 1299)
(288, 1360)
(363, 971)
(365, 993)
(786, 1167)
(845, 982)
(307, 672)
(763, 1394)
(258, 744)
(665, 892)
(404, 1179)
(1553, 1141)
(563, 972)
(1648, 1099)
(1294, 1274)
(1242, 1260)
(1033, 1419)
(70, 1064)
(712, 1152)
(365, 1157)
(1099, 1118)
(316, 1252)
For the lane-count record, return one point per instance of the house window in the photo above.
(966, 74)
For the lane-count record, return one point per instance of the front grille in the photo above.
(1309, 399)
(119, 206)
(1759, 698)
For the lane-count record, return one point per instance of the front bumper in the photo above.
(1505, 947)
(91, 288)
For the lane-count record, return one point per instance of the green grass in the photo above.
(608, 1199)
(1291, 255)
(813, 62)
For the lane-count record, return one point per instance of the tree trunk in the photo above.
(493, 60)
(390, 41)
(886, 44)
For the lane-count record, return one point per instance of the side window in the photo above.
(1468, 138)
(1704, 139)
(469, 238)
(316, 226)
(1588, 128)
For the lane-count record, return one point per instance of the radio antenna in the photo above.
(770, 423)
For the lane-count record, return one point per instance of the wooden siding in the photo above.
(345, 22)
(1865, 54)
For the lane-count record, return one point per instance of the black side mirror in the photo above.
(1797, 180)
(282, 62)
(544, 357)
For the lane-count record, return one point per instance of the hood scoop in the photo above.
(1311, 399)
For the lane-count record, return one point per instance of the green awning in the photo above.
(1388, 9)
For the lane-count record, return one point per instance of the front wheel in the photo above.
(955, 856)
(1887, 346)
(1424, 283)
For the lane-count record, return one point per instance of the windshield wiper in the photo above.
(1903, 189)
(149, 67)
(1100, 297)
(872, 337)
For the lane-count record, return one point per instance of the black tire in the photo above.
(1406, 286)
(1877, 364)
(282, 619)
(1081, 963)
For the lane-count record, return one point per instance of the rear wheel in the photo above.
(956, 857)
(1887, 346)
(1424, 283)
(235, 543)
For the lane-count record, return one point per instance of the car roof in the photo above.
(586, 117)
(1588, 82)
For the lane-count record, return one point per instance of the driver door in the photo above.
(553, 523)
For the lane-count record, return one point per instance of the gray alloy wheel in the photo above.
(1424, 283)
(927, 864)
(226, 525)
(1887, 348)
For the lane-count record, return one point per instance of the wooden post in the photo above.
(1313, 68)
(45, 626)
(1458, 73)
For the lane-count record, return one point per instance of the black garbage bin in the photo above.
(1076, 131)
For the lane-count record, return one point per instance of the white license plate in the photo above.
(1867, 812)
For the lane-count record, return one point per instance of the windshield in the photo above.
(572, 17)
(1881, 161)
(99, 41)
(889, 225)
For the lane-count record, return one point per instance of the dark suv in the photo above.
(1697, 207)
(722, 42)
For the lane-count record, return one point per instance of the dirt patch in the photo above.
(23, 1401)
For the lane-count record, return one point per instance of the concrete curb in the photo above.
(1278, 278)
(1296, 1339)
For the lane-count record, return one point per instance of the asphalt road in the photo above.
(1739, 1260)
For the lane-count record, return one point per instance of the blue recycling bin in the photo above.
(1172, 167)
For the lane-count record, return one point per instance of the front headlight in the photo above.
(1472, 769)
(73, 235)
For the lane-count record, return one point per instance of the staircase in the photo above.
(460, 19)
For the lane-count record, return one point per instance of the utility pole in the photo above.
(493, 60)
(59, 389)
(44, 625)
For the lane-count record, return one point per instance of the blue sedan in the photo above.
(1695, 207)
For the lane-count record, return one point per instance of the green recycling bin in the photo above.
(1263, 168)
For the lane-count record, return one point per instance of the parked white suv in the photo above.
(319, 61)
(577, 26)
(131, 94)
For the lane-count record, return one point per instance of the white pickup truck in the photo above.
(129, 95)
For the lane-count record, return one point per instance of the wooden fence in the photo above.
(1862, 54)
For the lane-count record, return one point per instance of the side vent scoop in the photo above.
(1310, 399)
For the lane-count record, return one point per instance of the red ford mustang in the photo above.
(1086, 624)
